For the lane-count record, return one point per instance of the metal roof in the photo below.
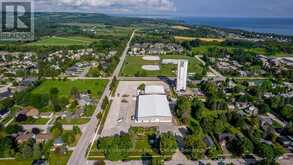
(153, 106)
(154, 89)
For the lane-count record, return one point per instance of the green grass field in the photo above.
(95, 86)
(55, 159)
(40, 121)
(133, 65)
(113, 31)
(74, 121)
(63, 41)
(203, 49)
(16, 162)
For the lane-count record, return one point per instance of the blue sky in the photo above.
(210, 8)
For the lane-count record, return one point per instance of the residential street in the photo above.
(78, 156)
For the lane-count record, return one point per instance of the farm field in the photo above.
(63, 41)
(113, 31)
(185, 38)
(95, 86)
(133, 64)
(204, 49)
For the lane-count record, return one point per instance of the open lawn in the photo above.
(95, 86)
(74, 121)
(141, 147)
(16, 162)
(133, 66)
(55, 159)
(63, 41)
(40, 121)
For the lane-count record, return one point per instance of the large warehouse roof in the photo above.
(153, 106)
(154, 89)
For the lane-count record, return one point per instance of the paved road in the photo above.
(78, 156)
(210, 68)
(146, 78)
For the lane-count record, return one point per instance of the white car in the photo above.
(119, 120)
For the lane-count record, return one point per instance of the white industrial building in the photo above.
(154, 89)
(182, 75)
(153, 106)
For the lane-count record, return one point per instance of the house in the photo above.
(84, 100)
(208, 140)
(46, 115)
(58, 142)
(251, 110)
(24, 137)
(40, 138)
(4, 93)
(30, 112)
(28, 82)
(225, 136)
(40, 162)
(264, 120)
(242, 105)
(286, 141)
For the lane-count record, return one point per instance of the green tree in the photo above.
(194, 146)
(212, 153)
(183, 106)
(57, 129)
(74, 92)
(168, 144)
(287, 112)
(76, 130)
(13, 128)
(37, 154)
(26, 152)
(105, 103)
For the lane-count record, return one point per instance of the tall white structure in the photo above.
(182, 75)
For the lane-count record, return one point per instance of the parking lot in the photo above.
(123, 106)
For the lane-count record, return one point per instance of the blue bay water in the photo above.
(282, 26)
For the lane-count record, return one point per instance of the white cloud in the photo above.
(160, 5)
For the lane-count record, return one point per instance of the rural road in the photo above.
(78, 156)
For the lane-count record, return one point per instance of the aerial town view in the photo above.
(146, 82)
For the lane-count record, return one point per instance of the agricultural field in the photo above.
(95, 86)
(180, 27)
(185, 38)
(204, 49)
(133, 66)
(63, 41)
(113, 31)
